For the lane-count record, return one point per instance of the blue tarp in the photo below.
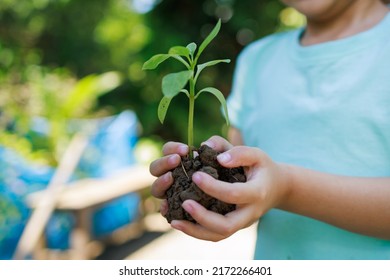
(110, 148)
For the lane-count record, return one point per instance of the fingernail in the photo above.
(196, 177)
(163, 209)
(173, 159)
(167, 177)
(188, 207)
(183, 149)
(224, 158)
(210, 144)
(176, 224)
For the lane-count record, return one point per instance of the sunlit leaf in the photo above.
(179, 50)
(209, 63)
(221, 99)
(163, 108)
(174, 82)
(185, 92)
(209, 38)
(155, 61)
(192, 48)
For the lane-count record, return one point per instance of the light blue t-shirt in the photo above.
(324, 107)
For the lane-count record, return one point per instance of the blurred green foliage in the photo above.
(62, 59)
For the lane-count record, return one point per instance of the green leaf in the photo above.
(192, 48)
(163, 108)
(179, 50)
(155, 61)
(209, 63)
(221, 99)
(185, 92)
(209, 38)
(87, 90)
(174, 82)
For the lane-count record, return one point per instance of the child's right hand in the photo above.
(172, 151)
(161, 168)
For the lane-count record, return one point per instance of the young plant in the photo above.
(185, 81)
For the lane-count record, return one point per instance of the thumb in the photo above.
(218, 143)
(242, 156)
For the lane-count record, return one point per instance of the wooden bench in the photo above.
(80, 197)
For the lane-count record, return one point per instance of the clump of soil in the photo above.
(183, 188)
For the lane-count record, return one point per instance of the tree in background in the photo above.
(48, 46)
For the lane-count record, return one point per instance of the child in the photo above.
(312, 108)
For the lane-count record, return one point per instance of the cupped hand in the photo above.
(266, 188)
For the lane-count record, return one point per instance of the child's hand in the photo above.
(266, 187)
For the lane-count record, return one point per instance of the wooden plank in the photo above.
(46, 203)
(91, 192)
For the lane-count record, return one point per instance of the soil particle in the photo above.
(183, 188)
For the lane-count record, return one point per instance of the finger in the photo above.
(212, 226)
(242, 156)
(163, 165)
(161, 185)
(196, 230)
(164, 207)
(224, 225)
(236, 193)
(218, 143)
(244, 216)
(175, 148)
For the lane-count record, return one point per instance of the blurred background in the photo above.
(68, 66)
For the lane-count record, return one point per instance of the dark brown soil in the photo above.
(183, 188)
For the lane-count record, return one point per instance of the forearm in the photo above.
(356, 204)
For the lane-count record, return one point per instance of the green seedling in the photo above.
(185, 81)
